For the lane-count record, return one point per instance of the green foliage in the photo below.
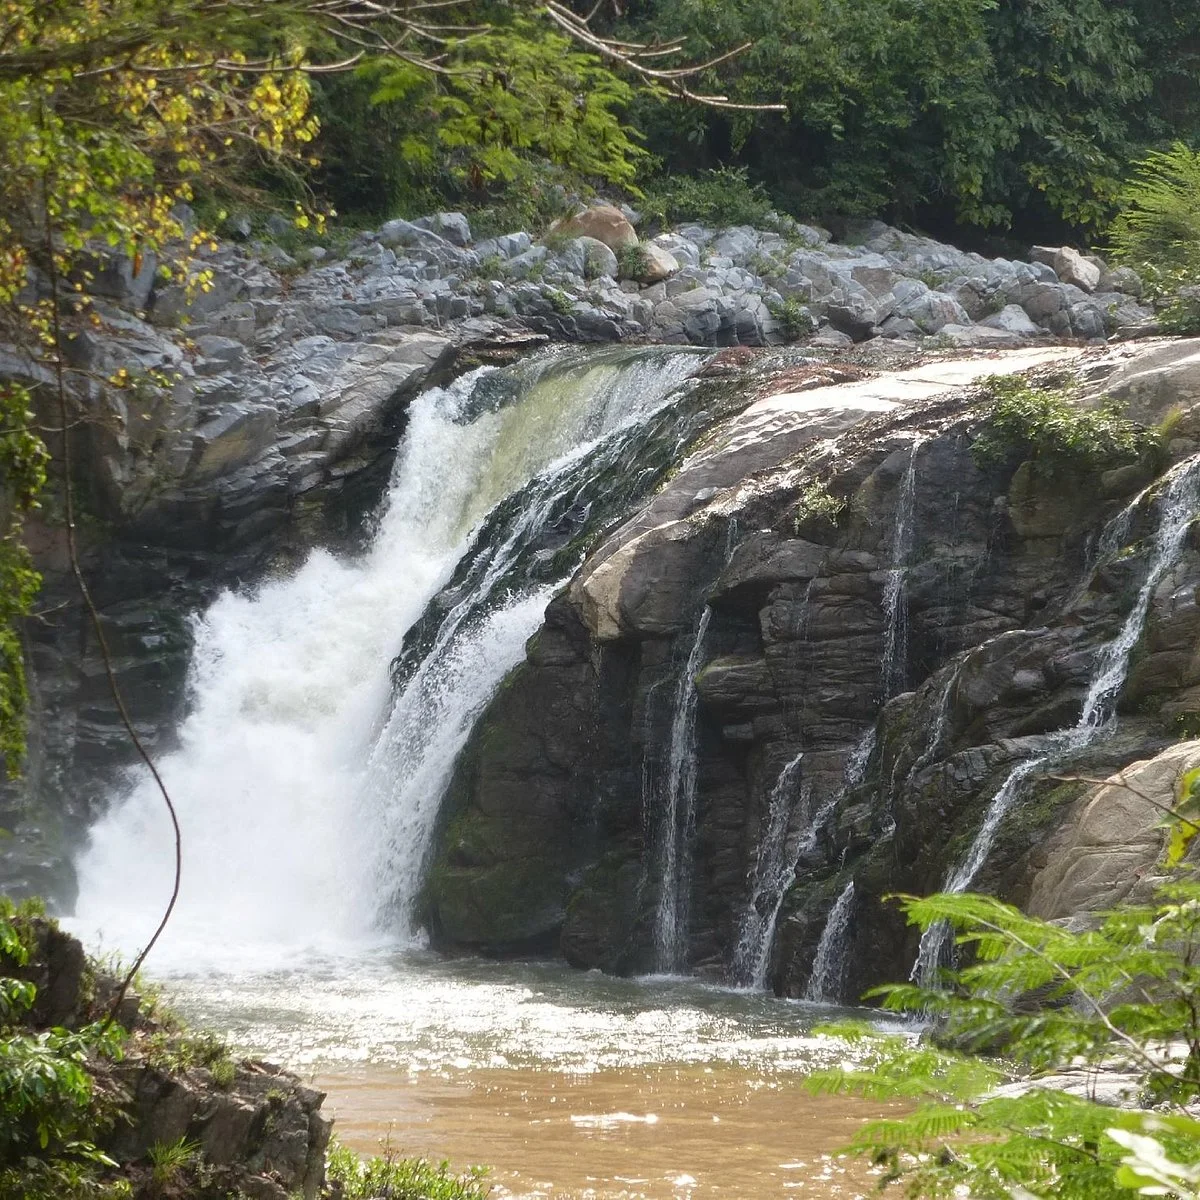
(985, 110)
(520, 106)
(22, 472)
(1182, 826)
(1159, 222)
(400, 1178)
(168, 1160)
(1035, 999)
(1056, 434)
(49, 1116)
(559, 301)
(721, 196)
(796, 320)
(817, 503)
(632, 262)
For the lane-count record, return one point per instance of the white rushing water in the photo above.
(1178, 504)
(895, 600)
(830, 961)
(679, 817)
(773, 870)
(306, 790)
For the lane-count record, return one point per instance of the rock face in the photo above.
(258, 1131)
(849, 584)
(267, 421)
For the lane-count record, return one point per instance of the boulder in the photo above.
(1069, 265)
(1012, 318)
(1126, 280)
(408, 233)
(603, 222)
(598, 260)
(1112, 838)
(452, 226)
(657, 264)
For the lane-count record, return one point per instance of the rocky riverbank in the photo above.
(173, 1111)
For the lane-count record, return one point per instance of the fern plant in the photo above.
(1035, 1000)
(1160, 218)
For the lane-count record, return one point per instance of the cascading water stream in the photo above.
(306, 817)
(829, 963)
(893, 675)
(895, 606)
(1179, 505)
(679, 816)
(773, 870)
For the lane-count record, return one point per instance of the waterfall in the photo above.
(830, 961)
(679, 817)
(895, 605)
(1178, 504)
(307, 779)
(773, 870)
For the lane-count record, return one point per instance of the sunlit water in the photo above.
(564, 1084)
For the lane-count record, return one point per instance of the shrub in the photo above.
(1159, 222)
(816, 502)
(723, 196)
(49, 1115)
(400, 1178)
(632, 261)
(1045, 425)
(796, 320)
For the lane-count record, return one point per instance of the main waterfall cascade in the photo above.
(307, 791)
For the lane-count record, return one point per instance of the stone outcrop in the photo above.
(1110, 847)
(940, 656)
(261, 417)
(257, 1131)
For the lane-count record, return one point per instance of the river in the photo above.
(564, 1084)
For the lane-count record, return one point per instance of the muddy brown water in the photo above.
(564, 1084)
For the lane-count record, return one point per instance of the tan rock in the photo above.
(658, 264)
(1112, 839)
(603, 222)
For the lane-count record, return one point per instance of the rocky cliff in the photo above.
(874, 647)
(259, 418)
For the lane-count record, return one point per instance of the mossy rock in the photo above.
(504, 908)
(602, 914)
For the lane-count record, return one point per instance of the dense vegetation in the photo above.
(1022, 1032)
(989, 113)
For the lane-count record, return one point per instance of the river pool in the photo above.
(565, 1084)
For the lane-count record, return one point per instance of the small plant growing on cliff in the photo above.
(795, 320)
(1054, 432)
(559, 301)
(168, 1160)
(632, 262)
(816, 502)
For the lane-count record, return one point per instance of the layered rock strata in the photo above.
(910, 622)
